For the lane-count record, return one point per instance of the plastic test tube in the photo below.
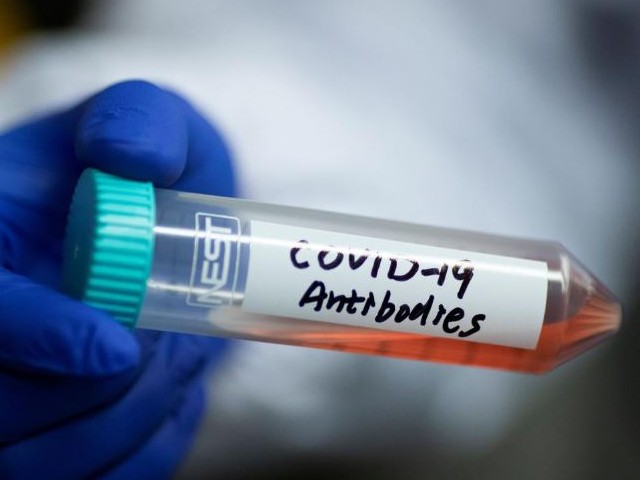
(183, 262)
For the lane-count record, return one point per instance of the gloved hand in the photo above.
(80, 396)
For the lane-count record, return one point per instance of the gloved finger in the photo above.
(183, 351)
(134, 129)
(104, 437)
(209, 169)
(32, 402)
(38, 162)
(161, 455)
(138, 130)
(42, 330)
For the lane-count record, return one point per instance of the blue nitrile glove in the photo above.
(80, 396)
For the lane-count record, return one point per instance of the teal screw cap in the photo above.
(108, 248)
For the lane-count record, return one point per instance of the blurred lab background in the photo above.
(511, 117)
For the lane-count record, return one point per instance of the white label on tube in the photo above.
(404, 287)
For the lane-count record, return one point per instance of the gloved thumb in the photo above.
(44, 331)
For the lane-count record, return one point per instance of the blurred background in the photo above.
(510, 117)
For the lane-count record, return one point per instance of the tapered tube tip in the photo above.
(599, 317)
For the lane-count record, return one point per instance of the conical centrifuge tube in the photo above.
(183, 262)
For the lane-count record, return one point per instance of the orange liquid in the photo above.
(559, 341)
